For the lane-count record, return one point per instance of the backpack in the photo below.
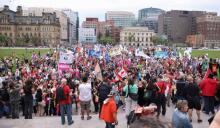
(60, 94)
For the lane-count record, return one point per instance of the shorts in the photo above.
(194, 104)
(85, 105)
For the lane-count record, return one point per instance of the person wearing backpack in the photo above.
(63, 97)
(131, 94)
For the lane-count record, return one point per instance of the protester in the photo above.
(85, 97)
(193, 98)
(161, 99)
(28, 99)
(63, 94)
(208, 87)
(109, 111)
(15, 97)
(180, 118)
(103, 91)
(131, 91)
(180, 87)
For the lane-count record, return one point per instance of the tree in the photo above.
(35, 41)
(26, 39)
(4, 40)
(158, 40)
(131, 38)
(19, 42)
(105, 40)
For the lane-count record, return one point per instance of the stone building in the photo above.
(29, 30)
(136, 36)
(209, 26)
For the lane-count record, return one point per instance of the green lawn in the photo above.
(211, 53)
(21, 52)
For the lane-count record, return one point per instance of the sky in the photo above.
(98, 8)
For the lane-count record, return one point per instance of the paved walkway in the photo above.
(55, 121)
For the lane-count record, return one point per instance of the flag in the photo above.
(123, 73)
(107, 58)
(66, 58)
(98, 72)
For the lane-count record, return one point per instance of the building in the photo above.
(87, 35)
(121, 18)
(177, 24)
(91, 23)
(209, 26)
(148, 17)
(136, 36)
(102, 28)
(64, 20)
(38, 30)
(195, 40)
(73, 25)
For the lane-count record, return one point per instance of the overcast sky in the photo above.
(97, 8)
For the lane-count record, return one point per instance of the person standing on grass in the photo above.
(85, 97)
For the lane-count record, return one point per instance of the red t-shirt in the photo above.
(162, 86)
(66, 90)
(107, 111)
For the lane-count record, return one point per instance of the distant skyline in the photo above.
(98, 8)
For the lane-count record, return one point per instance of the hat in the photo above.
(112, 93)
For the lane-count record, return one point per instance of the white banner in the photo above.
(66, 58)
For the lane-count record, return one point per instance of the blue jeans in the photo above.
(109, 125)
(68, 109)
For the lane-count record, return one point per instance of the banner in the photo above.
(161, 54)
(140, 52)
(115, 52)
(66, 58)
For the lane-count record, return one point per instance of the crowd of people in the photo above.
(124, 81)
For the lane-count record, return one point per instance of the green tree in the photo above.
(19, 42)
(131, 38)
(35, 41)
(4, 40)
(26, 39)
(158, 40)
(105, 40)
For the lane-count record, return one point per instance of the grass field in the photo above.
(21, 52)
(211, 53)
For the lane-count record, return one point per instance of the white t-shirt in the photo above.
(85, 92)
